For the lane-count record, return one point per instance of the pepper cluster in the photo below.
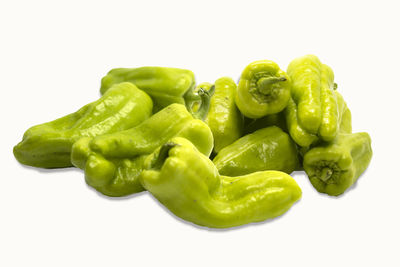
(216, 154)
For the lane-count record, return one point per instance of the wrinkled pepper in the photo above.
(49, 145)
(224, 118)
(113, 162)
(263, 89)
(266, 149)
(188, 184)
(312, 113)
(333, 167)
(306, 140)
(165, 85)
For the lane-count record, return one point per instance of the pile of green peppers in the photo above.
(217, 154)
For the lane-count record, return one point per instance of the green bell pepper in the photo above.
(263, 89)
(49, 145)
(113, 162)
(266, 149)
(188, 184)
(333, 167)
(165, 85)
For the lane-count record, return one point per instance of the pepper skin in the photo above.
(313, 112)
(113, 162)
(333, 167)
(266, 149)
(263, 89)
(224, 118)
(345, 115)
(164, 85)
(345, 126)
(49, 145)
(277, 119)
(188, 184)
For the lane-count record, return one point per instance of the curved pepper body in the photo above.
(344, 115)
(313, 113)
(107, 159)
(165, 85)
(333, 167)
(263, 89)
(266, 149)
(49, 145)
(188, 184)
(224, 118)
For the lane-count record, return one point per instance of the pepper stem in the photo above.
(190, 98)
(326, 173)
(159, 160)
(202, 111)
(264, 84)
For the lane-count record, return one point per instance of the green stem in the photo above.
(326, 173)
(162, 155)
(202, 112)
(264, 84)
(190, 98)
(211, 91)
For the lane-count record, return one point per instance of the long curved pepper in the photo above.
(188, 184)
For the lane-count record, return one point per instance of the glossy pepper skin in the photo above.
(224, 118)
(263, 89)
(266, 149)
(188, 184)
(49, 145)
(113, 162)
(277, 119)
(344, 115)
(333, 167)
(165, 85)
(312, 113)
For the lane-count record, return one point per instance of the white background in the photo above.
(52, 57)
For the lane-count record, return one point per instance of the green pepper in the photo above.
(263, 89)
(312, 114)
(333, 167)
(188, 184)
(277, 119)
(165, 85)
(113, 162)
(345, 115)
(49, 145)
(224, 119)
(266, 149)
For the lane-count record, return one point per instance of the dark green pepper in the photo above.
(165, 85)
(113, 162)
(333, 167)
(49, 145)
(224, 118)
(188, 184)
(266, 149)
(263, 89)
